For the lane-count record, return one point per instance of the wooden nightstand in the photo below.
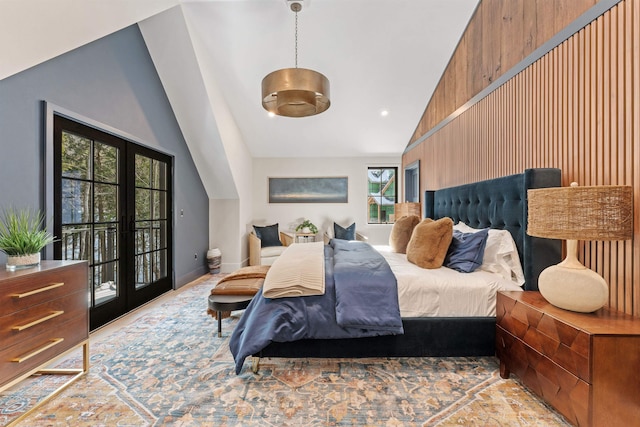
(587, 366)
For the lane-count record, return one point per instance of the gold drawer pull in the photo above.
(37, 291)
(52, 342)
(35, 322)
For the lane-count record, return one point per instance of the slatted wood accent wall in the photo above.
(577, 108)
(500, 34)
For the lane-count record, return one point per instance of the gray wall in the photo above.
(111, 81)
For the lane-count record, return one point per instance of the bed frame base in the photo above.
(423, 337)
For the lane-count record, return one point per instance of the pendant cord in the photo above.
(296, 39)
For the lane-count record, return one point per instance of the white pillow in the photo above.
(461, 226)
(500, 254)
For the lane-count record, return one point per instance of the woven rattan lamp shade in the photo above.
(581, 213)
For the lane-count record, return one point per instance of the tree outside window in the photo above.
(382, 194)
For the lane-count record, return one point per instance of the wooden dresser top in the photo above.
(601, 322)
(45, 265)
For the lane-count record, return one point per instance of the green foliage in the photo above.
(307, 223)
(21, 232)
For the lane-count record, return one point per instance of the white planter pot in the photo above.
(16, 262)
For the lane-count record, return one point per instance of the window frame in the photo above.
(412, 182)
(390, 216)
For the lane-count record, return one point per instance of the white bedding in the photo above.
(444, 292)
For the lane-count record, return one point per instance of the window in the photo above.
(382, 194)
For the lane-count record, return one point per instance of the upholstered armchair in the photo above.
(265, 255)
(330, 233)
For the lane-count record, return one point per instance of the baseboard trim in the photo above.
(190, 277)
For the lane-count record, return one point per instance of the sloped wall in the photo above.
(500, 35)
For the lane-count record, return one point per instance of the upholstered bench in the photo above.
(235, 291)
(220, 304)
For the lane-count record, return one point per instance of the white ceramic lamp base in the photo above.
(581, 290)
(572, 286)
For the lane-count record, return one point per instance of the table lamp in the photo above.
(578, 213)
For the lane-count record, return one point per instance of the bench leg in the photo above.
(219, 314)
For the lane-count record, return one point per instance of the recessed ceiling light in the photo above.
(384, 113)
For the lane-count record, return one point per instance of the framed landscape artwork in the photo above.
(308, 190)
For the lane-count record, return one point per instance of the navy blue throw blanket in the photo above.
(360, 300)
(364, 295)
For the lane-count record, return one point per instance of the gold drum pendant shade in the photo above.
(295, 92)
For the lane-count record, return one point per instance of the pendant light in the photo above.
(295, 92)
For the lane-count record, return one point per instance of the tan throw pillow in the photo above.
(429, 242)
(401, 233)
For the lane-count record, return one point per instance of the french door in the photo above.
(112, 207)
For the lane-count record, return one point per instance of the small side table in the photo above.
(304, 237)
(220, 303)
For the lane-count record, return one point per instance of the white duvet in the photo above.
(444, 292)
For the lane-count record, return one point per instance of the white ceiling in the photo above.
(377, 54)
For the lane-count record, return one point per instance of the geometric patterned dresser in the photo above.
(586, 365)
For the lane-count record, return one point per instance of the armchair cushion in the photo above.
(348, 233)
(268, 235)
(264, 255)
(271, 251)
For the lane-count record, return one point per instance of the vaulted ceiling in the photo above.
(378, 55)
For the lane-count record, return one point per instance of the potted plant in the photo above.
(307, 227)
(22, 237)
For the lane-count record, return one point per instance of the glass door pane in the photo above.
(90, 211)
(150, 221)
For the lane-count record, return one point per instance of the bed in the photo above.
(498, 204)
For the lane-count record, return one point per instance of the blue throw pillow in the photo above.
(466, 251)
(348, 233)
(269, 235)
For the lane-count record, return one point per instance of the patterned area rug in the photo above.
(170, 368)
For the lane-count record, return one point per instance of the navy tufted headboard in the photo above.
(502, 203)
